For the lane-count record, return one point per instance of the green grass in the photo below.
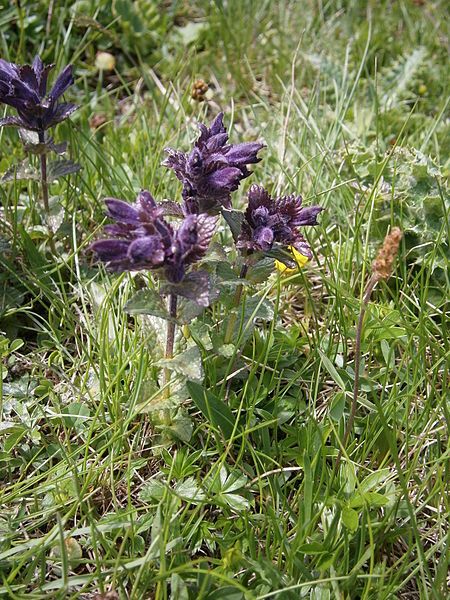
(92, 499)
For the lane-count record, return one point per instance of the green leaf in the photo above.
(178, 588)
(332, 370)
(14, 438)
(312, 548)
(189, 490)
(231, 482)
(61, 168)
(36, 258)
(235, 501)
(282, 255)
(56, 216)
(22, 171)
(216, 411)
(350, 518)
(227, 275)
(256, 308)
(181, 426)
(148, 302)
(225, 593)
(187, 363)
(188, 310)
(75, 415)
(373, 499)
(234, 219)
(261, 271)
(152, 490)
(325, 561)
(374, 480)
(337, 406)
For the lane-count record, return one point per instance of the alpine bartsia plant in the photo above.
(24, 88)
(142, 238)
(268, 221)
(213, 169)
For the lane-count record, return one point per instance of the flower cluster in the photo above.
(24, 87)
(142, 239)
(268, 221)
(213, 169)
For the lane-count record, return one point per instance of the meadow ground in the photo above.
(98, 501)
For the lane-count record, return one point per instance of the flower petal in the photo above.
(8, 70)
(302, 246)
(146, 251)
(110, 250)
(122, 211)
(217, 125)
(147, 204)
(41, 71)
(194, 236)
(308, 216)
(11, 122)
(258, 196)
(244, 154)
(226, 179)
(22, 92)
(28, 76)
(264, 237)
(213, 169)
(216, 142)
(63, 81)
(61, 113)
(177, 161)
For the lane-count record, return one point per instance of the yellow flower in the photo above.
(300, 259)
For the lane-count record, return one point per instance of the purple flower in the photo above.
(141, 239)
(213, 169)
(268, 221)
(24, 87)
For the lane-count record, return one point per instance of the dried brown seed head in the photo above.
(382, 265)
(199, 89)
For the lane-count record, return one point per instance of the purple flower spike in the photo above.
(141, 239)
(213, 169)
(24, 87)
(268, 221)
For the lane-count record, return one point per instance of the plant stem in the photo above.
(237, 298)
(44, 181)
(170, 340)
(171, 326)
(44, 187)
(365, 301)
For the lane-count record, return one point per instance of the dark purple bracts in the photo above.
(24, 87)
(141, 239)
(268, 221)
(213, 169)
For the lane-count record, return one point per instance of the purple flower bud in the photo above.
(264, 237)
(268, 221)
(122, 211)
(213, 169)
(24, 87)
(146, 250)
